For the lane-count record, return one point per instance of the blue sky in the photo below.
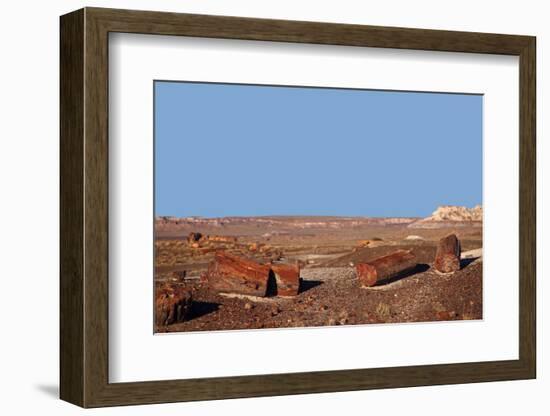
(246, 150)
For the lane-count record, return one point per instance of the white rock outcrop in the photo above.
(449, 214)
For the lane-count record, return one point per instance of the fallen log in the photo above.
(287, 279)
(447, 256)
(231, 274)
(172, 304)
(386, 267)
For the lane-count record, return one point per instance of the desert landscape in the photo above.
(309, 271)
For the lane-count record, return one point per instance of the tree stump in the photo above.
(231, 274)
(287, 279)
(447, 256)
(172, 304)
(386, 267)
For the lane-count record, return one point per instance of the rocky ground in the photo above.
(330, 293)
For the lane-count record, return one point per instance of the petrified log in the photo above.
(287, 279)
(447, 256)
(386, 267)
(231, 274)
(172, 304)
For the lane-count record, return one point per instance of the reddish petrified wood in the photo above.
(172, 304)
(447, 256)
(231, 274)
(386, 267)
(287, 279)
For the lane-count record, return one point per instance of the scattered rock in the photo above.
(446, 315)
(343, 318)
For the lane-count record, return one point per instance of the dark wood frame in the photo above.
(84, 208)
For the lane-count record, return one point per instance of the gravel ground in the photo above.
(332, 296)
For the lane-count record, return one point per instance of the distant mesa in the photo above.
(449, 215)
(279, 224)
(443, 216)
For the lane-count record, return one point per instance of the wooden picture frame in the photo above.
(84, 207)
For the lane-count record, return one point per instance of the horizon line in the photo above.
(283, 216)
(315, 215)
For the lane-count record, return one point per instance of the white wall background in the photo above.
(29, 159)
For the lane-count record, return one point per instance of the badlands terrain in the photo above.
(327, 250)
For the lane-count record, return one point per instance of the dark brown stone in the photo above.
(447, 256)
(387, 267)
(194, 237)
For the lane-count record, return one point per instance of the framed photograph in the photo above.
(254, 207)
